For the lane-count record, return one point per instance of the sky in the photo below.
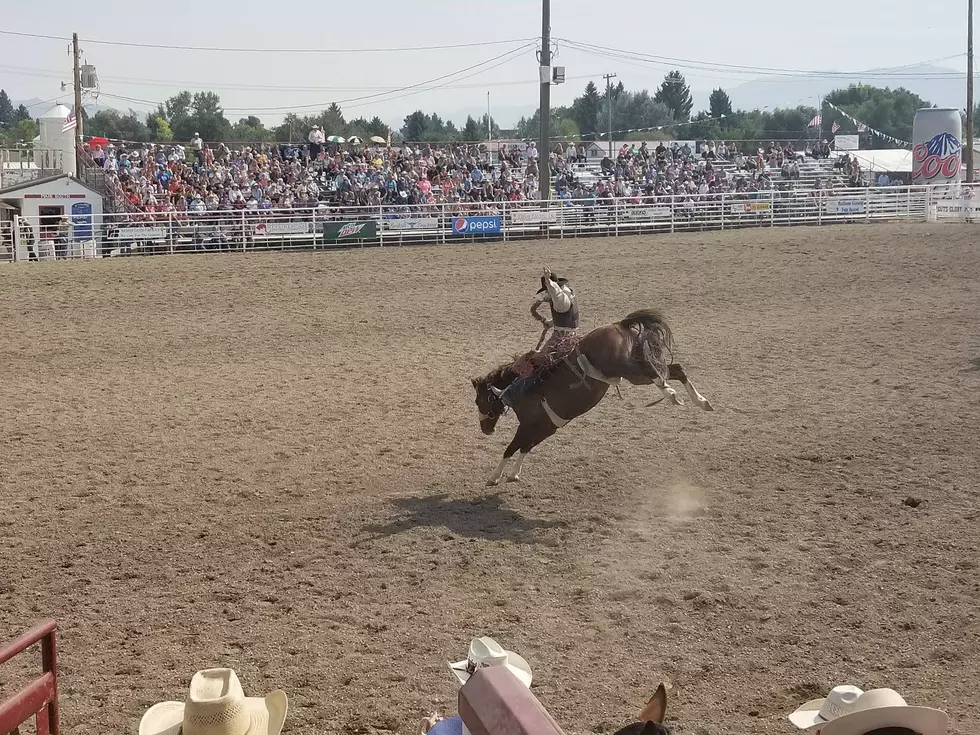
(720, 43)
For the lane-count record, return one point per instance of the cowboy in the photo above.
(564, 322)
(216, 705)
(848, 710)
(484, 651)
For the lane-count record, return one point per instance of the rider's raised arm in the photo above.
(561, 298)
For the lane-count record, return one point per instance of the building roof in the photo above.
(58, 112)
(46, 180)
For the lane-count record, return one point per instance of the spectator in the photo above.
(848, 710)
(216, 705)
(483, 652)
(197, 145)
(316, 139)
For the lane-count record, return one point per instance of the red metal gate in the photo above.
(40, 697)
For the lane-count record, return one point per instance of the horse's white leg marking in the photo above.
(703, 402)
(587, 368)
(515, 473)
(668, 392)
(557, 420)
(495, 477)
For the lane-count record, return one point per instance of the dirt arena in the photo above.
(273, 462)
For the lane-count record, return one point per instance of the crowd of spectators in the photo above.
(200, 177)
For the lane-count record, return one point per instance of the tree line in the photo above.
(670, 107)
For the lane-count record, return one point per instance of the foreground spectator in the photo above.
(483, 652)
(848, 710)
(216, 705)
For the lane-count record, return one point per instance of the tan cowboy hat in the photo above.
(485, 652)
(848, 710)
(216, 705)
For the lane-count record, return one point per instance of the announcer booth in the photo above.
(58, 217)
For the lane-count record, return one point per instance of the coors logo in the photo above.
(351, 228)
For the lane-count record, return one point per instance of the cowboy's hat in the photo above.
(554, 278)
(487, 652)
(848, 710)
(216, 705)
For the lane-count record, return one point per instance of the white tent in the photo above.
(884, 161)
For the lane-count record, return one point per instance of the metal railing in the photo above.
(39, 698)
(152, 233)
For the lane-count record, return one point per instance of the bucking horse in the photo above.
(637, 349)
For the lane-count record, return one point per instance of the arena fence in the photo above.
(326, 227)
(39, 698)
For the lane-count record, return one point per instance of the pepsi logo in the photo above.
(459, 224)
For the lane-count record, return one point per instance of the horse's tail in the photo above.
(655, 340)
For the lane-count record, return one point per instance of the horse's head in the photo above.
(488, 404)
(651, 718)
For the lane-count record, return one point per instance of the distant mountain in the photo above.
(793, 91)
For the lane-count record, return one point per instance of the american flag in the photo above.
(862, 128)
(70, 122)
(815, 122)
(835, 127)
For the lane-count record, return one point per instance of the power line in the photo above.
(170, 47)
(415, 88)
(205, 85)
(757, 70)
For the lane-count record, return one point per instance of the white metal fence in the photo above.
(88, 236)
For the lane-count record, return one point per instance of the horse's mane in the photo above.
(502, 373)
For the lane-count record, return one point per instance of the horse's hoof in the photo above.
(493, 483)
(515, 478)
(676, 401)
(706, 405)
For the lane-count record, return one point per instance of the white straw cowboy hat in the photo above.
(487, 652)
(848, 710)
(216, 705)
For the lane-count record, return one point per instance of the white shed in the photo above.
(41, 205)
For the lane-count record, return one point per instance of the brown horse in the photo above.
(651, 720)
(634, 349)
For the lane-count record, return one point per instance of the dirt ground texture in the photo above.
(273, 462)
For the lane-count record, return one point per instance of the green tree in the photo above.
(377, 126)
(719, 104)
(250, 129)
(494, 128)
(889, 110)
(22, 114)
(587, 110)
(112, 124)
(7, 115)
(471, 131)
(414, 126)
(675, 94)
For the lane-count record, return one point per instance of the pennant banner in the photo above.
(863, 127)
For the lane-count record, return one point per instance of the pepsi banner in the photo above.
(476, 225)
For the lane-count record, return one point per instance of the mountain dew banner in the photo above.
(342, 232)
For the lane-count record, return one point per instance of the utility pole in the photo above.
(489, 123)
(969, 93)
(77, 79)
(544, 134)
(609, 78)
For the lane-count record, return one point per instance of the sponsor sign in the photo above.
(647, 213)
(413, 223)
(846, 142)
(845, 205)
(282, 228)
(341, 232)
(54, 196)
(81, 220)
(533, 216)
(940, 158)
(750, 207)
(142, 233)
(954, 208)
(476, 225)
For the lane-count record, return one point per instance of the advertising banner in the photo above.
(845, 205)
(476, 225)
(937, 148)
(343, 232)
(413, 223)
(282, 228)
